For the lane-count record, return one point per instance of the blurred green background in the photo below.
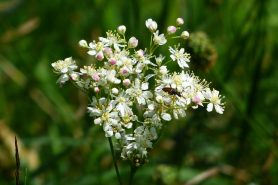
(233, 43)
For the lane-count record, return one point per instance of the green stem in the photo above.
(132, 173)
(114, 160)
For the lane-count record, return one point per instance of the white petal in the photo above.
(166, 116)
(94, 111)
(92, 52)
(145, 86)
(98, 121)
(108, 133)
(118, 135)
(219, 109)
(209, 107)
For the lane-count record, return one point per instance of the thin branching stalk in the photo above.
(133, 170)
(114, 160)
(17, 163)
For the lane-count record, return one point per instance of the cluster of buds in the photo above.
(133, 93)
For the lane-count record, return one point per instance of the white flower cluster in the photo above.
(134, 93)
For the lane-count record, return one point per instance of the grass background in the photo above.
(59, 143)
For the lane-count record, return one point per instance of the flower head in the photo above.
(132, 90)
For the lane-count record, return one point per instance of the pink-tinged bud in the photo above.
(171, 30)
(124, 71)
(96, 89)
(180, 21)
(95, 77)
(99, 56)
(151, 25)
(108, 52)
(74, 76)
(197, 100)
(140, 53)
(126, 82)
(132, 42)
(112, 61)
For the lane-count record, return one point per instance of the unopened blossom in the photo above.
(83, 43)
(121, 29)
(185, 35)
(126, 82)
(171, 30)
(180, 21)
(151, 25)
(100, 56)
(96, 89)
(132, 42)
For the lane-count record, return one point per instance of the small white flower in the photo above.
(95, 48)
(151, 25)
(112, 40)
(139, 91)
(159, 59)
(215, 101)
(181, 57)
(159, 39)
(64, 66)
(123, 105)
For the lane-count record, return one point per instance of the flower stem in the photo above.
(114, 160)
(132, 173)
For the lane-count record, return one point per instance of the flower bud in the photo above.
(171, 30)
(180, 21)
(126, 82)
(151, 25)
(124, 70)
(95, 77)
(185, 35)
(197, 100)
(140, 53)
(74, 76)
(121, 29)
(96, 89)
(163, 70)
(107, 52)
(99, 56)
(132, 42)
(115, 91)
(112, 61)
(83, 43)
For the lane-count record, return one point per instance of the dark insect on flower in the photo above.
(171, 91)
